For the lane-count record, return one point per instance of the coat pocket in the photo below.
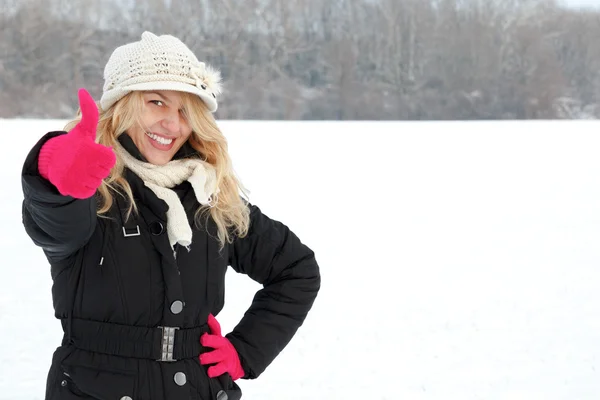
(205, 388)
(84, 382)
(224, 388)
(68, 389)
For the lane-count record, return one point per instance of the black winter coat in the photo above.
(119, 289)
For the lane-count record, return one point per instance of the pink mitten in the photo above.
(74, 162)
(224, 356)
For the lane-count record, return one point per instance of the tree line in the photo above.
(321, 59)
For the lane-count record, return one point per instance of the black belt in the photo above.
(159, 343)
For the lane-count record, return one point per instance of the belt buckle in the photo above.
(167, 343)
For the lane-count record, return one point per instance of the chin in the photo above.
(157, 159)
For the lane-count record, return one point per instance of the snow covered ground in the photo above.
(459, 260)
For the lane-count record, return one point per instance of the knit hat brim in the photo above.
(112, 96)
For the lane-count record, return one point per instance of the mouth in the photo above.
(160, 142)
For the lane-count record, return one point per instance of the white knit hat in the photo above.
(158, 63)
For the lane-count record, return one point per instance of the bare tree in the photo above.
(315, 59)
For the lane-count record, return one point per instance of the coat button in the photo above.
(156, 228)
(126, 398)
(180, 378)
(63, 383)
(222, 395)
(176, 307)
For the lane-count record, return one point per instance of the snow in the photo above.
(459, 259)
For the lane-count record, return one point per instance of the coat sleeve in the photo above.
(273, 256)
(59, 224)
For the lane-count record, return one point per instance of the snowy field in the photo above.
(459, 260)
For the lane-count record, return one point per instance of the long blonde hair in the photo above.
(230, 213)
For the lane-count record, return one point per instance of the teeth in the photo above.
(159, 139)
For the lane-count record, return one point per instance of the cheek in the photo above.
(149, 118)
(186, 130)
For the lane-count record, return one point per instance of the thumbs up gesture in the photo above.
(74, 162)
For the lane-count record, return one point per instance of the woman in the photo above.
(139, 214)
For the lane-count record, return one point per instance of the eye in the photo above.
(157, 102)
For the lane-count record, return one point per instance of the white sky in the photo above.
(586, 3)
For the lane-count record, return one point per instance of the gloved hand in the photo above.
(74, 162)
(224, 356)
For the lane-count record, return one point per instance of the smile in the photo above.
(159, 139)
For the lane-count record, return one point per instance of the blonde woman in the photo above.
(139, 214)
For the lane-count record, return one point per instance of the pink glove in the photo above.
(74, 162)
(224, 356)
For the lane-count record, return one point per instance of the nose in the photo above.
(172, 122)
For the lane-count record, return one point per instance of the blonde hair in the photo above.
(230, 213)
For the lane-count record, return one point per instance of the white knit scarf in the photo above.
(161, 178)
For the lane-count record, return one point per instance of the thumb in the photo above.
(89, 114)
(213, 324)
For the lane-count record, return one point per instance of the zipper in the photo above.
(175, 249)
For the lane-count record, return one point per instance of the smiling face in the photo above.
(163, 126)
